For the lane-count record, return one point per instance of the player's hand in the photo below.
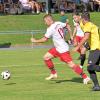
(72, 38)
(33, 40)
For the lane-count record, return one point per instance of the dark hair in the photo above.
(86, 16)
(62, 10)
(76, 13)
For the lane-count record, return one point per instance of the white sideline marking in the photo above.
(23, 32)
(27, 65)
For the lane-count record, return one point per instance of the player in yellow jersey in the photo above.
(78, 35)
(92, 34)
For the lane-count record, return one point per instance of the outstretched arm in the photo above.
(86, 37)
(44, 39)
(74, 32)
(69, 31)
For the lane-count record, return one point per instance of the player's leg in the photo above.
(82, 56)
(32, 6)
(79, 71)
(75, 42)
(78, 39)
(65, 57)
(37, 7)
(84, 48)
(98, 62)
(48, 61)
(92, 68)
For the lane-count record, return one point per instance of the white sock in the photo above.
(38, 11)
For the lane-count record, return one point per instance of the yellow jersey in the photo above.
(94, 39)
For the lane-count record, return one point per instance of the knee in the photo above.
(90, 68)
(45, 57)
(83, 50)
(71, 64)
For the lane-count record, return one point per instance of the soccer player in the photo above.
(64, 19)
(78, 35)
(61, 48)
(93, 35)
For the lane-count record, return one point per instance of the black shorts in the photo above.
(86, 45)
(94, 57)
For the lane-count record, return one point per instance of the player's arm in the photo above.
(67, 20)
(74, 32)
(44, 39)
(86, 37)
(69, 31)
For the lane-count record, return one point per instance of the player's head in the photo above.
(48, 19)
(62, 13)
(85, 17)
(76, 16)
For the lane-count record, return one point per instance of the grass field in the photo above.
(27, 81)
(27, 68)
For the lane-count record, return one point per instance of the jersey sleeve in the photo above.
(48, 33)
(63, 24)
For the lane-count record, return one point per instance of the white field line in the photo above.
(22, 32)
(28, 65)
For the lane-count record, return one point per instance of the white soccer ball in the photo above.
(5, 75)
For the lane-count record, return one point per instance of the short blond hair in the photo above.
(48, 16)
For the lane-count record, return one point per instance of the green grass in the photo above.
(29, 22)
(28, 70)
(27, 78)
(19, 39)
(33, 22)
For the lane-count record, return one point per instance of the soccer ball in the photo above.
(5, 75)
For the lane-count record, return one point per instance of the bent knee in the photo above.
(71, 64)
(90, 68)
(47, 56)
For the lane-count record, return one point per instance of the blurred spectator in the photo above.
(1, 7)
(96, 5)
(36, 5)
(68, 6)
(98, 1)
(85, 3)
(78, 1)
(71, 6)
(63, 17)
(30, 4)
(15, 1)
(63, 5)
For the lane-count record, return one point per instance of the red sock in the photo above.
(53, 71)
(79, 71)
(50, 65)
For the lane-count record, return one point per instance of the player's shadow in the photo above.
(5, 45)
(10, 84)
(75, 79)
